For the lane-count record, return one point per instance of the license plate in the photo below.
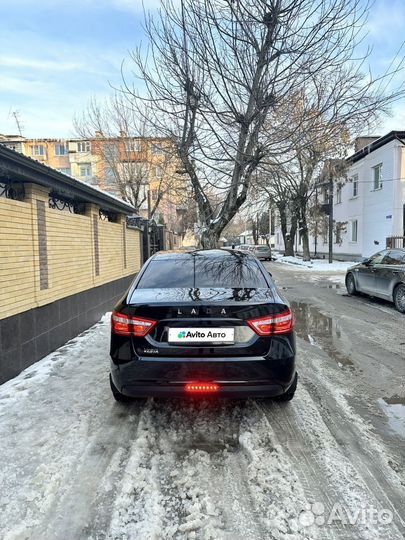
(201, 335)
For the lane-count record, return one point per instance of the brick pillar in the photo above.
(38, 196)
(92, 210)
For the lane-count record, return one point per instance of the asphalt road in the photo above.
(362, 340)
(328, 465)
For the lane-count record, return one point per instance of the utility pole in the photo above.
(330, 192)
(149, 204)
(270, 221)
(316, 222)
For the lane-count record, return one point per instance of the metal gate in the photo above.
(153, 235)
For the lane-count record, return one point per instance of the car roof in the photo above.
(219, 253)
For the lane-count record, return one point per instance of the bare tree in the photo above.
(324, 118)
(215, 70)
(143, 169)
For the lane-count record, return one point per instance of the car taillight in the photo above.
(130, 326)
(201, 387)
(272, 325)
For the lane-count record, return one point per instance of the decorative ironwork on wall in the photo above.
(59, 202)
(106, 215)
(12, 189)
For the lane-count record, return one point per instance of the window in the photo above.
(159, 172)
(83, 146)
(85, 170)
(377, 176)
(110, 151)
(355, 185)
(378, 257)
(64, 170)
(338, 194)
(133, 145)
(394, 258)
(60, 150)
(154, 195)
(354, 230)
(109, 175)
(157, 149)
(37, 150)
(203, 272)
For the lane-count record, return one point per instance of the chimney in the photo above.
(362, 142)
(122, 134)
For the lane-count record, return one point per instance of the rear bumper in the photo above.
(225, 390)
(235, 378)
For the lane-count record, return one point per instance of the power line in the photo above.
(372, 181)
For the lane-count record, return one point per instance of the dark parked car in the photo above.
(207, 321)
(382, 275)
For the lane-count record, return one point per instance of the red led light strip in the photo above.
(201, 387)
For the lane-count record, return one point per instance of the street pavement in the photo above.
(328, 465)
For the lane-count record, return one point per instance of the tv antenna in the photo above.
(16, 115)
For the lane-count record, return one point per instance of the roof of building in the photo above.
(391, 136)
(25, 169)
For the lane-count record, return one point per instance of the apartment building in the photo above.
(113, 163)
(369, 206)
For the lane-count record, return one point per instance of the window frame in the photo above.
(355, 186)
(109, 175)
(157, 149)
(83, 144)
(60, 145)
(378, 167)
(89, 167)
(36, 146)
(352, 228)
(338, 194)
(399, 261)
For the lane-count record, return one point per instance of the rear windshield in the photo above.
(202, 272)
(262, 248)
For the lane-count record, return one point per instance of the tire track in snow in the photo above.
(82, 507)
(363, 449)
(207, 470)
(178, 451)
(331, 474)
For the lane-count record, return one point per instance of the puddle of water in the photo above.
(394, 409)
(320, 331)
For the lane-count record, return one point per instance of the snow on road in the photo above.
(315, 265)
(76, 465)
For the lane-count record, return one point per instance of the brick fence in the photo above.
(59, 271)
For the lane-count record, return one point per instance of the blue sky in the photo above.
(55, 55)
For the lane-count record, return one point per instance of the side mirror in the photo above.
(366, 261)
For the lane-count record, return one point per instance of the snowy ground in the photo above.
(315, 265)
(329, 465)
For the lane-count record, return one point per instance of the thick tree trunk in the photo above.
(288, 235)
(306, 255)
(210, 238)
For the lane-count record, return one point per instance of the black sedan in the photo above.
(203, 322)
(382, 275)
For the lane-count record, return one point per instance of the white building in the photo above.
(370, 206)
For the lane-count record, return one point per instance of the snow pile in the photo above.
(316, 265)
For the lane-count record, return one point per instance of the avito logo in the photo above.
(199, 334)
